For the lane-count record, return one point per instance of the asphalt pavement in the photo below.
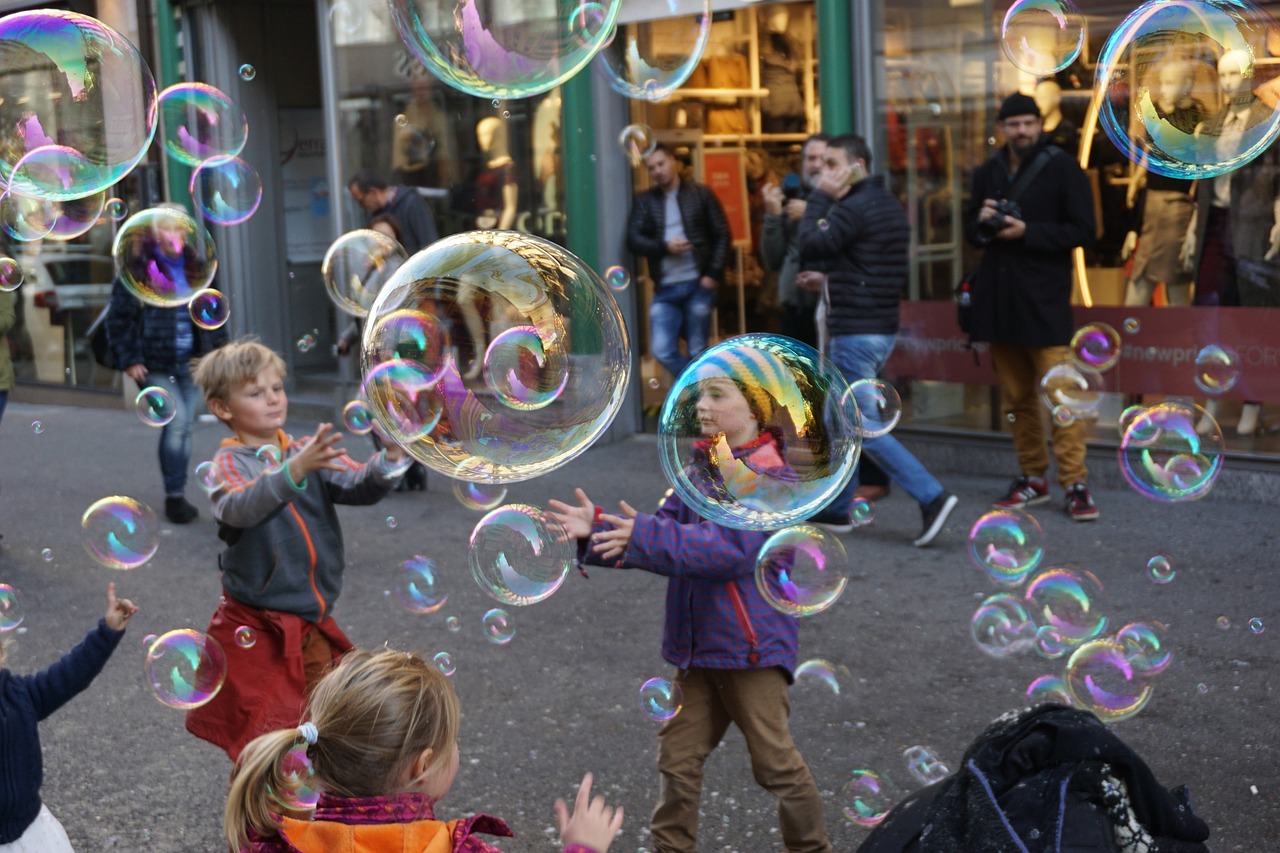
(561, 698)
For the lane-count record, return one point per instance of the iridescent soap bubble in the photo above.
(802, 570)
(862, 512)
(357, 265)
(655, 58)
(120, 532)
(11, 607)
(1067, 598)
(443, 661)
(74, 82)
(1076, 389)
(637, 141)
(480, 497)
(416, 336)
(164, 256)
(1256, 625)
(526, 282)
(1042, 37)
(1095, 346)
(866, 798)
(1062, 416)
(77, 216)
(1162, 74)
(818, 671)
(11, 274)
(52, 173)
(226, 189)
(497, 626)
(27, 219)
(271, 458)
(878, 404)
(1162, 457)
(246, 637)
(199, 122)
(209, 476)
(519, 555)
(403, 397)
(1217, 369)
(453, 624)
(1048, 688)
(1101, 679)
(46, 554)
(116, 209)
(1001, 626)
(248, 72)
(299, 786)
(1160, 569)
(356, 418)
(473, 48)
(1132, 325)
(1006, 544)
(391, 522)
(37, 427)
(148, 640)
(1051, 644)
(1126, 420)
(759, 432)
(155, 406)
(526, 371)
(185, 668)
(661, 699)
(1146, 647)
(1224, 623)
(209, 309)
(618, 278)
(924, 765)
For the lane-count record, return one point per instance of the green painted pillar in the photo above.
(835, 66)
(578, 144)
(169, 59)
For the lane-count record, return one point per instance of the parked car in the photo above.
(63, 290)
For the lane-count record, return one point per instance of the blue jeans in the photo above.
(175, 437)
(681, 309)
(4, 400)
(863, 357)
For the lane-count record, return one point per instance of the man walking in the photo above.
(1022, 293)
(853, 245)
(417, 225)
(681, 228)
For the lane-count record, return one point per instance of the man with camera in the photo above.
(1031, 206)
(783, 209)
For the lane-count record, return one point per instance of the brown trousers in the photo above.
(1020, 370)
(755, 700)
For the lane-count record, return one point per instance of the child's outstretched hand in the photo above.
(613, 543)
(593, 823)
(576, 521)
(119, 611)
(319, 453)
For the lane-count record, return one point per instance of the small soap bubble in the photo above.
(148, 640)
(924, 765)
(654, 383)
(185, 668)
(1256, 626)
(818, 671)
(155, 406)
(878, 404)
(497, 627)
(1217, 369)
(356, 418)
(1096, 346)
(1146, 648)
(271, 458)
(209, 309)
(1077, 389)
(300, 787)
(802, 570)
(306, 343)
(524, 369)
(1224, 623)
(661, 699)
(11, 607)
(402, 120)
(1042, 37)
(1051, 644)
(1048, 688)
(1160, 569)
(506, 113)
(444, 662)
(198, 122)
(226, 189)
(453, 624)
(1132, 325)
(1001, 626)
(391, 522)
(47, 554)
(404, 399)
(1062, 416)
(418, 586)
(862, 512)
(410, 335)
(248, 72)
(1006, 544)
(1126, 420)
(245, 637)
(120, 532)
(1202, 688)
(519, 555)
(37, 427)
(1101, 679)
(866, 798)
(1067, 598)
(357, 265)
(11, 274)
(209, 476)
(637, 142)
(495, 103)
(823, 224)
(116, 209)
(1164, 458)
(618, 278)
(480, 497)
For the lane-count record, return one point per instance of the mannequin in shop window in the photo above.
(1059, 130)
(781, 59)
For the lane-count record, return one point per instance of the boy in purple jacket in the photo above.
(734, 654)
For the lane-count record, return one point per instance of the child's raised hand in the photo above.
(593, 823)
(613, 543)
(576, 521)
(319, 453)
(119, 611)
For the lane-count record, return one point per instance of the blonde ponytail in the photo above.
(256, 775)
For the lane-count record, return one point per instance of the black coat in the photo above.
(1022, 288)
(705, 226)
(863, 250)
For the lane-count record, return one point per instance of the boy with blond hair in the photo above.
(283, 561)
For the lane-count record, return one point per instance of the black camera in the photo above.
(989, 228)
(792, 187)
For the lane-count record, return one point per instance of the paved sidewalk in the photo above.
(561, 698)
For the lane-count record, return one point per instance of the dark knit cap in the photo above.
(1018, 104)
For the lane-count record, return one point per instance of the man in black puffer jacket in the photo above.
(853, 248)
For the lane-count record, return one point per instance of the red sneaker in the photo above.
(1024, 492)
(1080, 505)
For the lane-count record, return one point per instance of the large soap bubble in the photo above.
(656, 57)
(1162, 74)
(495, 49)
(1101, 678)
(199, 122)
(519, 555)
(69, 80)
(1164, 458)
(759, 432)
(526, 282)
(356, 266)
(164, 256)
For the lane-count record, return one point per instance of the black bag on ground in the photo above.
(1049, 780)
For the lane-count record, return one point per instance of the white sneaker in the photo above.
(1248, 419)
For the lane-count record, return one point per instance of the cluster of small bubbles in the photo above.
(1132, 325)
(11, 610)
(164, 257)
(1042, 37)
(1164, 458)
(1006, 544)
(1145, 646)
(185, 668)
(646, 65)
(209, 476)
(802, 570)
(444, 662)
(637, 141)
(524, 370)
(878, 404)
(1096, 346)
(271, 457)
(480, 497)
(618, 278)
(155, 406)
(116, 209)
(1217, 369)
(661, 699)
(1051, 644)
(357, 265)
(37, 427)
(391, 522)
(307, 342)
(245, 637)
(1001, 626)
(418, 586)
(862, 512)
(866, 798)
(11, 275)
(1256, 626)
(1074, 388)
(1062, 416)
(356, 418)
(819, 671)
(1160, 569)
(1048, 688)
(519, 555)
(1224, 623)
(924, 765)
(1067, 598)
(497, 626)
(453, 624)
(299, 788)
(47, 554)
(209, 309)
(1101, 679)
(226, 189)
(801, 426)
(248, 72)
(120, 532)
(200, 122)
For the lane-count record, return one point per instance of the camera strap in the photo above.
(1029, 172)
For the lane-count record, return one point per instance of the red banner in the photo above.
(1158, 357)
(724, 171)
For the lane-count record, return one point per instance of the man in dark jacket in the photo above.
(680, 227)
(853, 245)
(1022, 294)
(417, 225)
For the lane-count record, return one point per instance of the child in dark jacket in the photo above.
(734, 654)
(282, 567)
(26, 826)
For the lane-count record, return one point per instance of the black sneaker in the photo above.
(833, 521)
(179, 510)
(935, 516)
(1080, 505)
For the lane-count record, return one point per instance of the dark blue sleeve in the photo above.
(57, 685)
(124, 326)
